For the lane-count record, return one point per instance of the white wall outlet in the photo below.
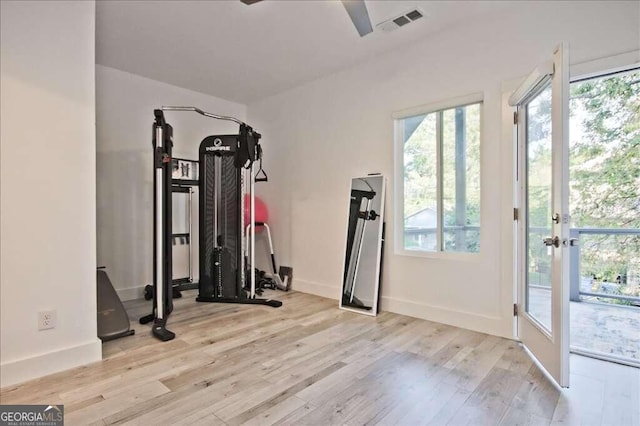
(46, 320)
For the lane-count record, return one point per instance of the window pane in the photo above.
(420, 182)
(539, 207)
(461, 178)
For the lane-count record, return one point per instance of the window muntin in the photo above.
(441, 180)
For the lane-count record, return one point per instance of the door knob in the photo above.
(555, 241)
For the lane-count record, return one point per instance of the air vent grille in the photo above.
(400, 20)
(414, 14)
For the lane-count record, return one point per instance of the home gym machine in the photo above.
(226, 174)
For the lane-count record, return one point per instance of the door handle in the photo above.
(555, 241)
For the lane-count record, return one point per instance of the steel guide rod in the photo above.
(190, 235)
(159, 231)
(252, 232)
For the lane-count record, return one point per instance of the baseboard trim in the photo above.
(131, 293)
(315, 288)
(481, 323)
(470, 321)
(16, 372)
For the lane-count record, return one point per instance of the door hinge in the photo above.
(515, 213)
(515, 117)
(515, 309)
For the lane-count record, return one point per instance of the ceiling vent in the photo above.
(400, 21)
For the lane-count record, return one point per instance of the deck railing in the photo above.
(576, 275)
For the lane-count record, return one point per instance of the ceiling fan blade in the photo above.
(357, 11)
(250, 2)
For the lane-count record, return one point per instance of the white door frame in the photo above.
(551, 350)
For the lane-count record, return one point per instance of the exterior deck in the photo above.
(604, 329)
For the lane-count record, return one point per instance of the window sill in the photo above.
(443, 255)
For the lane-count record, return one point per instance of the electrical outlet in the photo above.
(46, 320)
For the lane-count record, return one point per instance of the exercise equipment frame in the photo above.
(244, 148)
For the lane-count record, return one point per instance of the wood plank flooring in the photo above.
(309, 363)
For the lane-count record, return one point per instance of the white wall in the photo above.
(320, 135)
(124, 111)
(48, 252)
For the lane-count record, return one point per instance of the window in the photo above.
(438, 173)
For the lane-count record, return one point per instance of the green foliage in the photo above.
(605, 173)
(605, 152)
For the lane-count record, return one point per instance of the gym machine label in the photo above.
(218, 148)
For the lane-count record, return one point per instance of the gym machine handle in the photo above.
(263, 178)
(248, 138)
(257, 177)
(201, 112)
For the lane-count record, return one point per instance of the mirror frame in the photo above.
(376, 305)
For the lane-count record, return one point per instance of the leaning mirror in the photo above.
(363, 254)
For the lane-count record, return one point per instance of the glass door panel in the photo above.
(538, 192)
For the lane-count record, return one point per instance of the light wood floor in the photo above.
(310, 363)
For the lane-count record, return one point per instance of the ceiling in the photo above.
(245, 53)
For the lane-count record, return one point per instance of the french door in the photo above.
(542, 105)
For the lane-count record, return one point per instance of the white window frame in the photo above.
(398, 174)
(608, 65)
